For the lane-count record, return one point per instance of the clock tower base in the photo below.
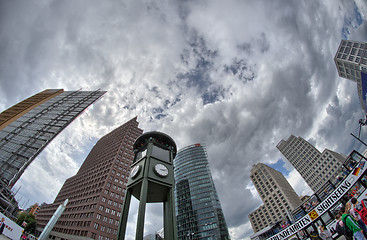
(151, 181)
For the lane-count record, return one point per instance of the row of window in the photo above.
(105, 229)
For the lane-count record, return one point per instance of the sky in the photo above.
(235, 75)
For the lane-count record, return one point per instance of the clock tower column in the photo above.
(151, 180)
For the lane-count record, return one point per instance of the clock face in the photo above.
(134, 171)
(161, 170)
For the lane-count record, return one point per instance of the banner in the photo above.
(320, 209)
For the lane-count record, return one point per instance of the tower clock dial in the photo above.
(161, 170)
(134, 171)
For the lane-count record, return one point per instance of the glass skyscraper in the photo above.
(198, 210)
(27, 128)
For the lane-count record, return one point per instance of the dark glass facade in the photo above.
(29, 133)
(198, 210)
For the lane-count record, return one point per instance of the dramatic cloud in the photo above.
(237, 76)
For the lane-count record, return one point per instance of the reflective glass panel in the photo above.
(160, 153)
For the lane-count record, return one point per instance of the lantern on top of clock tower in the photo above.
(151, 180)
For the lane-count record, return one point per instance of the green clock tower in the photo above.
(151, 180)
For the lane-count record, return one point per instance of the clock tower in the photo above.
(151, 180)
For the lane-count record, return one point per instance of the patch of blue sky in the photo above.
(159, 116)
(351, 22)
(358, 15)
(158, 110)
(212, 96)
(159, 113)
(279, 166)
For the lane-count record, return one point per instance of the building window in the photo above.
(96, 225)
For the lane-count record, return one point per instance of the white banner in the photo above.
(11, 230)
(324, 205)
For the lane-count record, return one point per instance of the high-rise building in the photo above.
(351, 62)
(198, 210)
(277, 194)
(33, 209)
(27, 128)
(97, 191)
(316, 168)
(155, 236)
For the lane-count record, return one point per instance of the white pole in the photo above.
(53, 220)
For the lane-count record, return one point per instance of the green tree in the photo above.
(30, 220)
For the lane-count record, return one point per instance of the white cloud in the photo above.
(298, 184)
(237, 76)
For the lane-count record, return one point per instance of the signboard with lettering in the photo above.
(11, 230)
(324, 205)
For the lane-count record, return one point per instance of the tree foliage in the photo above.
(29, 219)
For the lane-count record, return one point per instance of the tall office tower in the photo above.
(97, 191)
(27, 128)
(315, 167)
(276, 193)
(198, 210)
(159, 235)
(351, 62)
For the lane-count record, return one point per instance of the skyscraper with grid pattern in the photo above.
(29, 126)
(198, 210)
(315, 167)
(351, 63)
(277, 194)
(97, 191)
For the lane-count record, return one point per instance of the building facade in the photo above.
(316, 168)
(351, 63)
(276, 193)
(198, 210)
(33, 209)
(97, 191)
(29, 126)
(159, 235)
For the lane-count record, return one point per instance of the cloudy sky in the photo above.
(236, 75)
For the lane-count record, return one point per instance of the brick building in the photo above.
(97, 191)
